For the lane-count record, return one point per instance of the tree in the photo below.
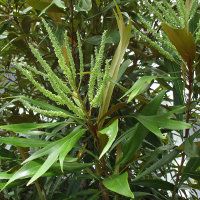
(100, 117)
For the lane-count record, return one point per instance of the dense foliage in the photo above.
(99, 99)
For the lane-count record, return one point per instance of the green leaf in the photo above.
(191, 149)
(140, 132)
(157, 184)
(85, 5)
(141, 194)
(53, 156)
(26, 171)
(24, 142)
(178, 86)
(54, 150)
(66, 147)
(139, 87)
(47, 5)
(123, 68)
(191, 166)
(4, 175)
(94, 40)
(26, 127)
(72, 167)
(53, 146)
(153, 123)
(30, 168)
(59, 3)
(164, 160)
(119, 184)
(111, 132)
(125, 34)
(183, 40)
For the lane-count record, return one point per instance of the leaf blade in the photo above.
(111, 132)
(119, 184)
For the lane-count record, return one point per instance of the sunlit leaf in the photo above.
(153, 123)
(26, 171)
(52, 157)
(26, 127)
(54, 150)
(119, 184)
(125, 33)
(111, 132)
(140, 132)
(23, 142)
(67, 146)
(139, 87)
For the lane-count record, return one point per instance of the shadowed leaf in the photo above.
(183, 41)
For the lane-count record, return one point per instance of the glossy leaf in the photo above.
(139, 87)
(5, 175)
(26, 171)
(67, 146)
(52, 157)
(111, 132)
(153, 123)
(52, 147)
(30, 168)
(140, 132)
(54, 150)
(125, 33)
(123, 68)
(178, 88)
(23, 142)
(58, 3)
(119, 184)
(27, 127)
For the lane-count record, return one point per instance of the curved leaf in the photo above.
(111, 132)
(183, 40)
(119, 184)
(125, 34)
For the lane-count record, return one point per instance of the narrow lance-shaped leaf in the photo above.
(54, 150)
(119, 184)
(27, 170)
(23, 142)
(139, 87)
(24, 127)
(66, 147)
(53, 156)
(153, 123)
(111, 132)
(125, 33)
(165, 159)
(140, 132)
